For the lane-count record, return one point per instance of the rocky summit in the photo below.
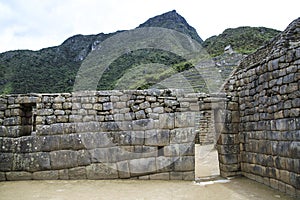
(172, 20)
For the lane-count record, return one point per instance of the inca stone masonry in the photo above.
(150, 134)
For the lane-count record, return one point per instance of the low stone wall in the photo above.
(149, 134)
(261, 137)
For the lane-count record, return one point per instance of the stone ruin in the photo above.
(263, 143)
(150, 134)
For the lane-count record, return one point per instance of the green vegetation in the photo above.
(134, 59)
(45, 71)
(244, 40)
(144, 76)
(54, 69)
(35, 72)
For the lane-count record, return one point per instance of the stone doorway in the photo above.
(206, 161)
(209, 122)
(28, 122)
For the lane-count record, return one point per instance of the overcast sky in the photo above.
(35, 24)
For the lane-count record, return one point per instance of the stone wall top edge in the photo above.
(151, 92)
(275, 48)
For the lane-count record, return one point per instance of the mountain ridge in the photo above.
(53, 69)
(172, 20)
(237, 38)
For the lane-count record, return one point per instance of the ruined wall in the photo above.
(265, 91)
(102, 135)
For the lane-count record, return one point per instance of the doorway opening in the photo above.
(206, 161)
(28, 118)
(206, 153)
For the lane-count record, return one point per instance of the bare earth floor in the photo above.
(240, 188)
(206, 165)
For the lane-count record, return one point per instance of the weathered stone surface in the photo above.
(186, 163)
(59, 112)
(123, 169)
(59, 99)
(6, 161)
(77, 173)
(101, 155)
(142, 166)
(189, 176)
(295, 180)
(63, 159)
(158, 110)
(57, 106)
(10, 131)
(146, 151)
(67, 105)
(295, 150)
(151, 98)
(176, 175)
(147, 177)
(183, 120)
(165, 164)
(75, 118)
(172, 150)
(18, 176)
(182, 135)
(8, 145)
(228, 158)
(131, 137)
(26, 99)
(96, 140)
(3, 106)
(107, 106)
(160, 176)
(2, 176)
(170, 103)
(167, 121)
(102, 171)
(45, 175)
(157, 137)
(230, 167)
(45, 112)
(290, 190)
(228, 149)
(143, 124)
(83, 157)
(31, 162)
(144, 105)
(110, 126)
(12, 121)
(48, 143)
(140, 114)
(63, 174)
(187, 149)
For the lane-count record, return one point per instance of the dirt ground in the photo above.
(206, 165)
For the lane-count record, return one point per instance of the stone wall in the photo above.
(262, 139)
(147, 134)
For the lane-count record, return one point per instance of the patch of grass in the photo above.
(244, 40)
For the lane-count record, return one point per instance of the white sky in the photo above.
(36, 24)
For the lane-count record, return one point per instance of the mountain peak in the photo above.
(173, 15)
(172, 20)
